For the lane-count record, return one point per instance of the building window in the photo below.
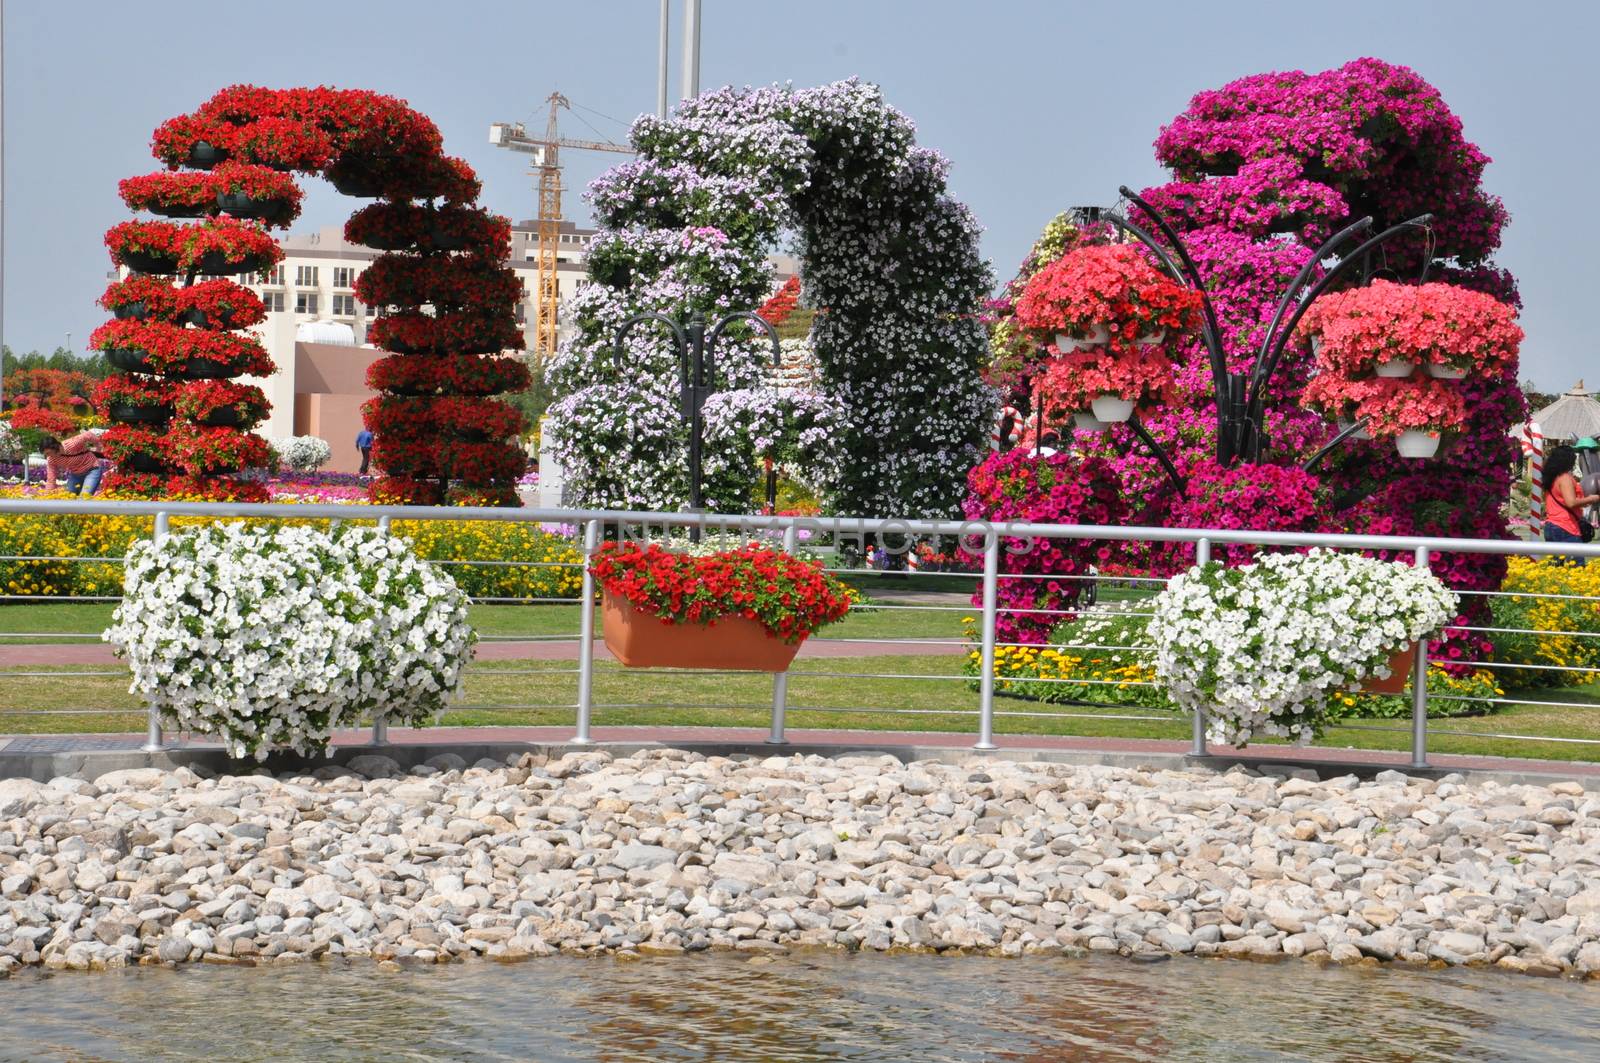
(344, 277)
(305, 302)
(344, 306)
(305, 276)
(273, 301)
(273, 276)
(374, 311)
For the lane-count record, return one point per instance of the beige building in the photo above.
(316, 329)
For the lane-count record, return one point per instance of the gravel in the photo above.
(668, 851)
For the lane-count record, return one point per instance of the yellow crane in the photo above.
(546, 165)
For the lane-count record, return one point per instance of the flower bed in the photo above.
(788, 596)
(1557, 603)
(1262, 648)
(273, 638)
(544, 573)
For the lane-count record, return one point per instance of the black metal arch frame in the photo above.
(1239, 397)
(696, 346)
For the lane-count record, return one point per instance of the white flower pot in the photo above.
(1111, 409)
(1415, 444)
(1098, 336)
(1088, 422)
(1150, 339)
(1360, 433)
(1396, 367)
(1445, 372)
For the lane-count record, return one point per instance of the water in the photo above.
(807, 1006)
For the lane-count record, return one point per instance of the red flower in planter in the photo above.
(462, 332)
(198, 400)
(788, 596)
(284, 143)
(154, 298)
(166, 191)
(200, 450)
(221, 304)
(210, 246)
(461, 374)
(447, 282)
(176, 137)
(124, 442)
(396, 226)
(483, 463)
(407, 458)
(122, 389)
(169, 348)
(413, 417)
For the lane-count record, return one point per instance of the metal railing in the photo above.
(986, 542)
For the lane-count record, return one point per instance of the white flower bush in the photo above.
(272, 638)
(303, 453)
(11, 448)
(885, 250)
(1261, 648)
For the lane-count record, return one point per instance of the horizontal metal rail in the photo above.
(986, 544)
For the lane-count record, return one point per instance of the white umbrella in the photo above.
(1572, 416)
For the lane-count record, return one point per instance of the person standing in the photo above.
(364, 444)
(1564, 500)
(73, 460)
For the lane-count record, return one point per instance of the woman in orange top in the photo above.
(1563, 497)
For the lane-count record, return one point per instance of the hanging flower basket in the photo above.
(1088, 422)
(1444, 371)
(1395, 368)
(743, 610)
(1112, 409)
(1416, 443)
(1096, 336)
(140, 414)
(641, 640)
(1399, 672)
(203, 155)
(130, 360)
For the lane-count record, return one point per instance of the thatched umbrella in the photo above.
(1573, 415)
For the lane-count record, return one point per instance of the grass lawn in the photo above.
(822, 693)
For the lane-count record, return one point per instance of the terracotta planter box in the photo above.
(639, 640)
(1399, 672)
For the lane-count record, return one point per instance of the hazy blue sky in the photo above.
(1040, 105)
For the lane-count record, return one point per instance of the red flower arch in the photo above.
(443, 296)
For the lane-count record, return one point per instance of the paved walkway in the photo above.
(95, 653)
(1120, 750)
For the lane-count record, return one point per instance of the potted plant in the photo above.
(141, 298)
(201, 450)
(1262, 648)
(134, 400)
(136, 449)
(747, 609)
(258, 192)
(219, 304)
(172, 195)
(221, 403)
(1114, 318)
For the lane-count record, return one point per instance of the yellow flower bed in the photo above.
(550, 571)
(1568, 628)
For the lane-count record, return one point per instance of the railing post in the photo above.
(380, 726)
(991, 594)
(1419, 689)
(1197, 748)
(780, 680)
(153, 741)
(591, 542)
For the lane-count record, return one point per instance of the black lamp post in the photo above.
(1240, 398)
(695, 346)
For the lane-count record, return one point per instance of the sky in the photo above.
(1039, 105)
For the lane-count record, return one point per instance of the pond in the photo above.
(812, 1005)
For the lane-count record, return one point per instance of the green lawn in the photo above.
(542, 692)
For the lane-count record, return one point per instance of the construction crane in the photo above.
(546, 165)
